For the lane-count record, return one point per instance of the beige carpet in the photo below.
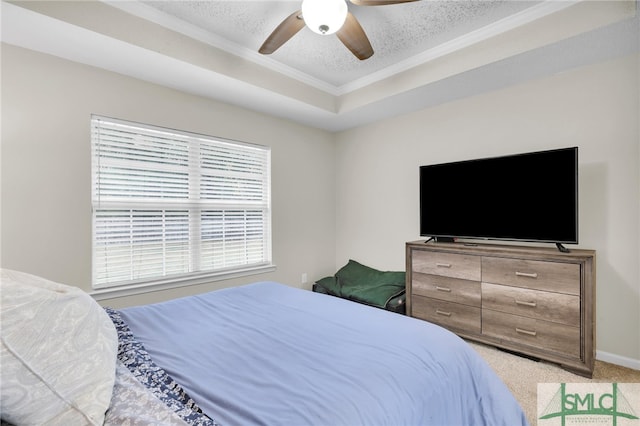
(522, 375)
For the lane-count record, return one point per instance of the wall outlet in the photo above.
(303, 279)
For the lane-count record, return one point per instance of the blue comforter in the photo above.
(268, 354)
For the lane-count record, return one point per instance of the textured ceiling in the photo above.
(397, 32)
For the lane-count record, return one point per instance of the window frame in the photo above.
(195, 204)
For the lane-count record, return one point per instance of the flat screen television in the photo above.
(525, 197)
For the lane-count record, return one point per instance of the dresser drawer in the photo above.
(554, 307)
(539, 275)
(445, 288)
(450, 315)
(447, 264)
(549, 336)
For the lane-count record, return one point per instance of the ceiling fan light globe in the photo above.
(324, 16)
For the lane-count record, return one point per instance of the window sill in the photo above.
(165, 284)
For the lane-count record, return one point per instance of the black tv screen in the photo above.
(524, 197)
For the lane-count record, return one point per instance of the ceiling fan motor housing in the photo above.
(327, 17)
(324, 16)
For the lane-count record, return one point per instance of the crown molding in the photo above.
(524, 17)
(492, 30)
(156, 16)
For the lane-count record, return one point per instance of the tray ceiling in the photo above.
(426, 52)
(397, 32)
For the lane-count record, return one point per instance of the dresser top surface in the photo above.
(504, 250)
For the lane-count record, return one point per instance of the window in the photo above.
(169, 204)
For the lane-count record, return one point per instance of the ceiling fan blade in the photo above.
(352, 35)
(379, 2)
(283, 32)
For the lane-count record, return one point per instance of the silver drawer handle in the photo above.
(448, 290)
(529, 332)
(522, 302)
(527, 274)
(443, 265)
(446, 314)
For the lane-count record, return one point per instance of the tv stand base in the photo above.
(445, 239)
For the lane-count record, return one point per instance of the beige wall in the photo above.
(335, 197)
(594, 108)
(46, 168)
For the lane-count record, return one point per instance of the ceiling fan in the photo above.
(327, 17)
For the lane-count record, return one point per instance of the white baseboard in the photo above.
(618, 360)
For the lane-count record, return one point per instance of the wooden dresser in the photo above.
(531, 300)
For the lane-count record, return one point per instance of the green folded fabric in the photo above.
(330, 284)
(368, 285)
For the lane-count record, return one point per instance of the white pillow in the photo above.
(58, 353)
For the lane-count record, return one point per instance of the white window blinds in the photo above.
(171, 203)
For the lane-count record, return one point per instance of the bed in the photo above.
(259, 354)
